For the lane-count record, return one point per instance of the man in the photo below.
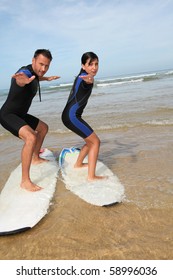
(14, 113)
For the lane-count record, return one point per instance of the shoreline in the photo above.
(138, 228)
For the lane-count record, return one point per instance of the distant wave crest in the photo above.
(145, 77)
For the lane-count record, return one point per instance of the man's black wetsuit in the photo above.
(76, 103)
(13, 114)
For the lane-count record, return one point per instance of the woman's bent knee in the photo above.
(93, 140)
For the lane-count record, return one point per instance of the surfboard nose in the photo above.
(64, 152)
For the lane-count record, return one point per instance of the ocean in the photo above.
(133, 117)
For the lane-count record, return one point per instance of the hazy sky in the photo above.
(129, 36)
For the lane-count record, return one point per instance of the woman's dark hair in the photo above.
(88, 55)
(44, 52)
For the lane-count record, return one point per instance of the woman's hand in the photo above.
(88, 79)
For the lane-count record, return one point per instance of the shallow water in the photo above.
(134, 122)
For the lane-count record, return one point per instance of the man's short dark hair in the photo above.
(44, 52)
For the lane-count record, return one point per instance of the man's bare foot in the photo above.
(97, 178)
(29, 186)
(81, 166)
(39, 160)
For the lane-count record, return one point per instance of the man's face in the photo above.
(40, 65)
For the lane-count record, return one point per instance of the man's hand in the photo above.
(51, 78)
(22, 79)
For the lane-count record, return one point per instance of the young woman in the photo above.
(72, 113)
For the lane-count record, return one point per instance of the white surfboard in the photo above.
(21, 209)
(99, 192)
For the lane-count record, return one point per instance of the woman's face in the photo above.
(91, 67)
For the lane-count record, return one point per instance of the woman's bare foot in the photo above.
(29, 186)
(81, 165)
(97, 178)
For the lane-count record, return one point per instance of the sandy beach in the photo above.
(138, 228)
(133, 118)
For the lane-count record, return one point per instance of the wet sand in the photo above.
(82, 232)
(138, 228)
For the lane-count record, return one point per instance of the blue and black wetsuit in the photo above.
(13, 114)
(72, 113)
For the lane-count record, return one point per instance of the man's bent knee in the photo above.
(42, 128)
(31, 138)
